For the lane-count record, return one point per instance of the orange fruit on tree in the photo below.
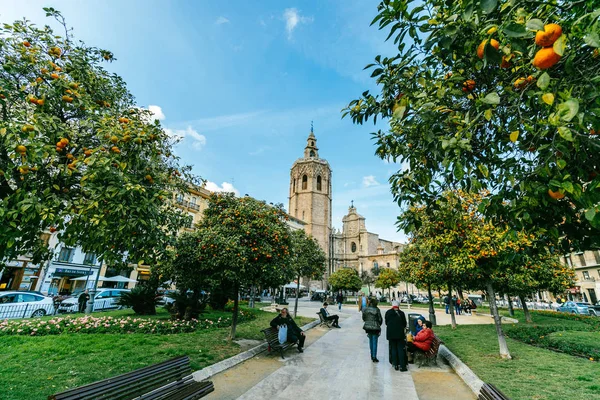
(38, 79)
(40, 102)
(505, 63)
(545, 58)
(54, 76)
(548, 36)
(21, 149)
(114, 139)
(520, 83)
(123, 120)
(494, 43)
(67, 99)
(115, 149)
(468, 85)
(26, 44)
(44, 71)
(555, 195)
(64, 141)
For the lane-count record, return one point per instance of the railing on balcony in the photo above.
(588, 279)
(188, 204)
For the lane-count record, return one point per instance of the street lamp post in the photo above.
(90, 304)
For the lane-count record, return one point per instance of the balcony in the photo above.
(590, 279)
(188, 204)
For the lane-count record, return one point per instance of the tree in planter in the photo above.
(77, 155)
(386, 279)
(345, 279)
(239, 242)
(308, 259)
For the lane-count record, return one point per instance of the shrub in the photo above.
(142, 299)
(586, 319)
(187, 306)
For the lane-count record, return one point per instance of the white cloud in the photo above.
(369, 181)
(157, 112)
(198, 140)
(221, 20)
(225, 187)
(292, 19)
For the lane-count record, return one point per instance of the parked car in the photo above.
(164, 297)
(595, 309)
(105, 299)
(575, 307)
(319, 295)
(24, 305)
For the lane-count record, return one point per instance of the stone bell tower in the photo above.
(310, 195)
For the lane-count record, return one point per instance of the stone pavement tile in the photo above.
(337, 366)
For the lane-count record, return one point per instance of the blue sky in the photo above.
(241, 81)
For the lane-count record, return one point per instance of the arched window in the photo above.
(304, 182)
(375, 268)
(312, 143)
(319, 183)
(312, 153)
(294, 186)
(353, 247)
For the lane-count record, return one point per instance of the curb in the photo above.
(224, 365)
(461, 369)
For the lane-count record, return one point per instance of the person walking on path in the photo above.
(395, 321)
(83, 299)
(373, 320)
(294, 333)
(447, 302)
(339, 299)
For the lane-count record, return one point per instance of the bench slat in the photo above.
(491, 392)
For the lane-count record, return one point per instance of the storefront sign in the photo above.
(71, 272)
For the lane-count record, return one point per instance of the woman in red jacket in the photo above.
(423, 339)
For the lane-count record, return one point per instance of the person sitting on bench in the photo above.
(422, 341)
(294, 333)
(329, 317)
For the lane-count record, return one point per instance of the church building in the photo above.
(310, 198)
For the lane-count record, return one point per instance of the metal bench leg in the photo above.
(281, 352)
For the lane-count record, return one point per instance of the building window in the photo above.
(586, 275)
(375, 268)
(388, 265)
(312, 143)
(89, 259)
(304, 182)
(65, 255)
(319, 183)
(353, 247)
(294, 186)
(597, 256)
(581, 259)
(568, 261)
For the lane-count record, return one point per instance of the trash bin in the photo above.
(411, 321)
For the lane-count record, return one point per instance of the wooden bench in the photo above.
(273, 340)
(324, 321)
(429, 357)
(491, 392)
(170, 379)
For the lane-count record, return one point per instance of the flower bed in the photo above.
(90, 324)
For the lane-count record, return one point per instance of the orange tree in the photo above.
(308, 259)
(496, 94)
(239, 242)
(386, 279)
(456, 244)
(345, 279)
(77, 155)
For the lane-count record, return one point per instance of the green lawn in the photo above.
(35, 367)
(533, 373)
(591, 339)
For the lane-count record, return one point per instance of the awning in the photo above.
(293, 285)
(117, 278)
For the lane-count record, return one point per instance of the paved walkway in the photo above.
(337, 366)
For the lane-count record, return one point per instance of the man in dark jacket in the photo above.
(339, 299)
(395, 320)
(83, 299)
(294, 333)
(330, 317)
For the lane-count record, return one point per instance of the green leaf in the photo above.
(487, 6)
(535, 24)
(515, 30)
(565, 133)
(484, 170)
(459, 173)
(568, 186)
(488, 114)
(491, 98)
(561, 163)
(543, 81)
(560, 45)
(590, 214)
(592, 39)
(568, 110)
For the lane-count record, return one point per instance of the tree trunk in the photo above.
(460, 294)
(511, 310)
(452, 316)
(251, 300)
(525, 309)
(440, 296)
(235, 312)
(297, 295)
(431, 308)
(504, 353)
